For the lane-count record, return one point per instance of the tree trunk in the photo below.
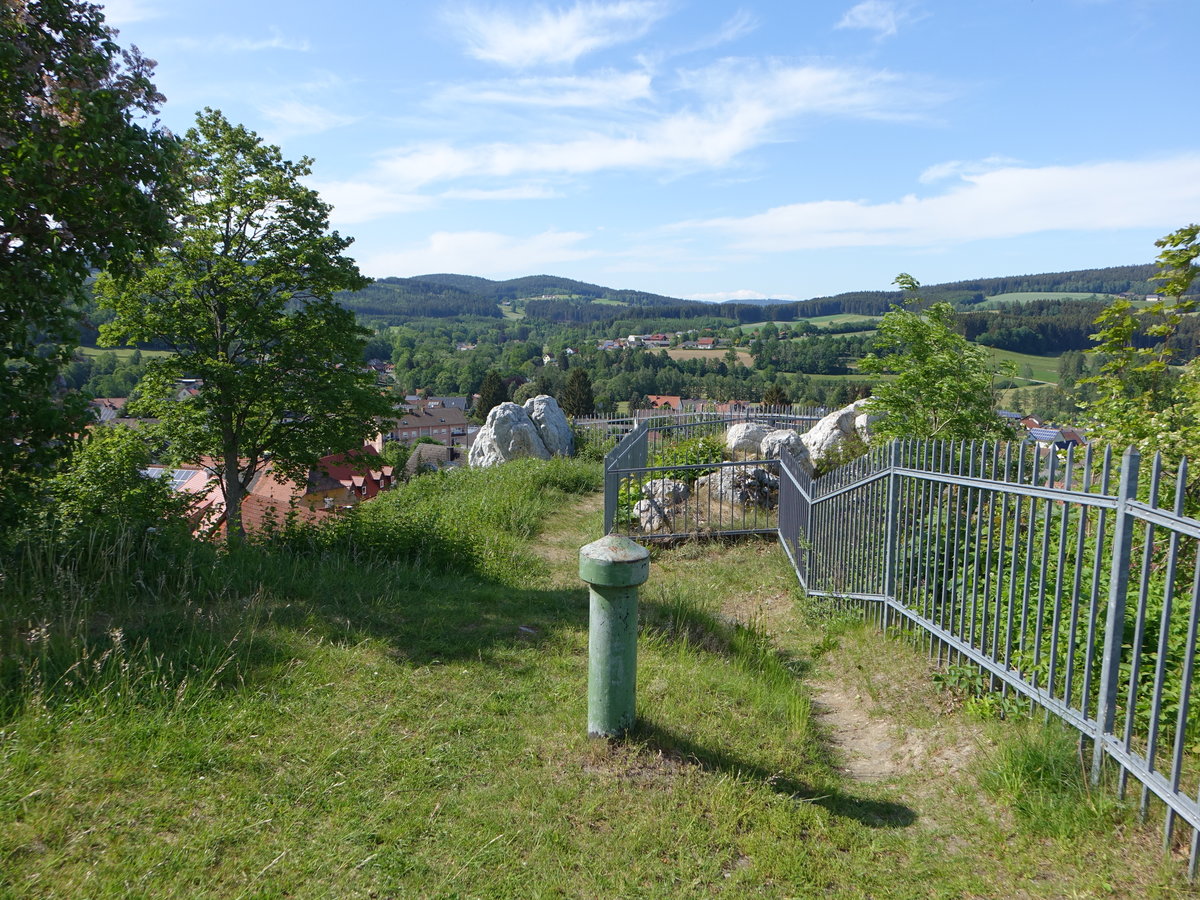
(231, 479)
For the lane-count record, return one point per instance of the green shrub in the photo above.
(709, 449)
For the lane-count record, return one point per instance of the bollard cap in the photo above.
(614, 561)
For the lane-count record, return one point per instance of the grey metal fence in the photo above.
(661, 481)
(1070, 579)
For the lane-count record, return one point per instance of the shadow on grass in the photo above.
(872, 813)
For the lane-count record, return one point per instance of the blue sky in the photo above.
(708, 149)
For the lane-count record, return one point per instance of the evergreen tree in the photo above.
(577, 398)
(776, 395)
(491, 394)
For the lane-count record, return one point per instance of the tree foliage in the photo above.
(243, 295)
(1140, 398)
(491, 394)
(83, 181)
(577, 398)
(942, 386)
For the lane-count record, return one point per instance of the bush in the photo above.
(709, 449)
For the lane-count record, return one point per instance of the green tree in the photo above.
(1139, 397)
(104, 488)
(943, 385)
(577, 398)
(243, 295)
(83, 181)
(491, 394)
(776, 395)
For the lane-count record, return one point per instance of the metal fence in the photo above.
(1070, 579)
(662, 481)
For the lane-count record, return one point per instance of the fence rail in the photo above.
(1071, 579)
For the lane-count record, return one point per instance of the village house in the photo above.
(446, 424)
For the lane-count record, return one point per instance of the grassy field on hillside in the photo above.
(398, 710)
(1040, 368)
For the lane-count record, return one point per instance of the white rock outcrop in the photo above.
(666, 490)
(831, 433)
(745, 437)
(739, 484)
(552, 425)
(507, 434)
(652, 514)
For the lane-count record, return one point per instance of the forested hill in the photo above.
(551, 299)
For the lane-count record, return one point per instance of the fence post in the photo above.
(892, 526)
(1114, 625)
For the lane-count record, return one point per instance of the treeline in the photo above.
(1040, 326)
(401, 299)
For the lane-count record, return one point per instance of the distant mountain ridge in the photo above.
(551, 298)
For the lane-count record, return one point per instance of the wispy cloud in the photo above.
(293, 117)
(737, 107)
(957, 168)
(736, 26)
(1002, 203)
(552, 36)
(226, 43)
(884, 17)
(122, 12)
(361, 201)
(603, 89)
(483, 252)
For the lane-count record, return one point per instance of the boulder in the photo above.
(666, 490)
(652, 515)
(743, 485)
(832, 432)
(745, 437)
(784, 437)
(552, 425)
(509, 433)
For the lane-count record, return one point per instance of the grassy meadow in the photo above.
(396, 708)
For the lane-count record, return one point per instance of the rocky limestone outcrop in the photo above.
(831, 433)
(552, 425)
(745, 437)
(747, 485)
(652, 514)
(509, 433)
(666, 490)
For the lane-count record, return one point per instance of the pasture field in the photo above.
(1044, 368)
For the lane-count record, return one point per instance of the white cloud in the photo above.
(957, 168)
(744, 294)
(122, 12)
(484, 253)
(553, 36)
(1002, 203)
(738, 107)
(292, 117)
(605, 89)
(519, 192)
(359, 201)
(882, 16)
(226, 43)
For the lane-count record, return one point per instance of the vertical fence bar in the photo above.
(1114, 626)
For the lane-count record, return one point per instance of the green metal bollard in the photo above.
(613, 567)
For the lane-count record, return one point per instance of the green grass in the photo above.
(1043, 368)
(340, 719)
